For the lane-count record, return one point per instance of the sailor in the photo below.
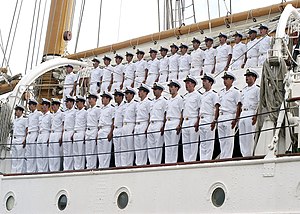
(129, 70)
(82, 78)
(155, 130)
(18, 141)
(118, 124)
(163, 65)
(224, 54)
(208, 117)
(190, 115)
(209, 56)
(141, 69)
(264, 44)
(228, 113)
(70, 82)
(129, 116)
(142, 122)
(249, 104)
(95, 76)
(238, 52)
(153, 68)
(252, 49)
(107, 77)
(197, 57)
(105, 130)
(118, 73)
(93, 114)
(55, 139)
(31, 135)
(79, 133)
(174, 62)
(68, 132)
(43, 138)
(184, 62)
(173, 122)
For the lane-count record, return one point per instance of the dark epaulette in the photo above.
(200, 92)
(149, 99)
(25, 116)
(185, 93)
(112, 105)
(236, 88)
(214, 91)
(166, 98)
(258, 86)
(125, 101)
(181, 96)
(75, 107)
(98, 106)
(222, 89)
(136, 100)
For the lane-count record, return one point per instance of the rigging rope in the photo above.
(99, 23)
(79, 24)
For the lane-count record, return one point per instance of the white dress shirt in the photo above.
(192, 103)
(33, 121)
(184, 62)
(209, 56)
(197, 57)
(174, 107)
(57, 121)
(174, 62)
(222, 52)
(118, 73)
(19, 126)
(106, 115)
(80, 120)
(92, 117)
(208, 102)
(229, 100)
(69, 118)
(250, 97)
(143, 110)
(157, 109)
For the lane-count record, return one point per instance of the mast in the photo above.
(59, 27)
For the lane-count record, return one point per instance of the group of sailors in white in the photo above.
(138, 129)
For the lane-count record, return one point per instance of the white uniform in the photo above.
(129, 70)
(55, 136)
(228, 105)
(184, 63)
(106, 78)
(90, 136)
(140, 70)
(118, 76)
(78, 138)
(17, 150)
(197, 57)
(118, 123)
(174, 66)
(103, 145)
(163, 69)
(69, 118)
(207, 112)
(249, 100)
(33, 131)
(140, 140)
(222, 56)
(171, 138)
(42, 142)
(155, 139)
(70, 79)
(263, 46)
(127, 146)
(238, 55)
(95, 76)
(190, 138)
(209, 60)
(153, 71)
(252, 54)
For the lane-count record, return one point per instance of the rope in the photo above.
(79, 24)
(100, 13)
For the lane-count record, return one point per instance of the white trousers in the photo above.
(18, 155)
(246, 140)
(190, 139)
(116, 85)
(155, 142)
(127, 83)
(31, 151)
(104, 86)
(195, 72)
(140, 143)
(207, 138)
(182, 74)
(237, 64)
(42, 152)
(220, 66)
(104, 147)
(117, 145)
(151, 79)
(207, 69)
(173, 75)
(226, 135)
(54, 151)
(90, 148)
(163, 76)
(68, 150)
(127, 145)
(251, 62)
(261, 59)
(138, 81)
(94, 88)
(79, 150)
(171, 139)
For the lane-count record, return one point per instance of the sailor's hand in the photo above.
(213, 125)
(121, 86)
(24, 143)
(233, 123)
(60, 142)
(109, 87)
(254, 119)
(162, 130)
(144, 81)
(110, 136)
(243, 65)
(201, 73)
(196, 126)
(178, 129)
(72, 138)
(213, 71)
(71, 93)
(226, 68)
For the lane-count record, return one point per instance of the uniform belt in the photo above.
(127, 123)
(117, 81)
(54, 131)
(78, 131)
(172, 118)
(43, 132)
(189, 118)
(117, 127)
(250, 57)
(248, 109)
(183, 70)
(152, 74)
(263, 54)
(91, 128)
(196, 67)
(221, 61)
(67, 130)
(141, 122)
(18, 136)
(206, 115)
(156, 121)
(225, 113)
(173, 71)
(102, 127)
(30, 132)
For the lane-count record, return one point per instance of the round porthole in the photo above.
(123, 200)
(218, 197)
(62, 202)
(10, 202)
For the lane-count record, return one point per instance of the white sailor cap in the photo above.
(207, 38)
(80, 98)
(92, 95)
(69, 98)
(263, 26)
(195, 39)
(105, 57)
(157, 85)
(229, 74)
(144, 87)
(183, 45)
(20, 107)
(238, 33)
(152, 50)
(55, 101)
(252, 30)
(129, 54)
(46, 101)
(119, 56)
(221, 34)
(251, 72)
(174, 83)
(118, 92)
(69, 65)
(129, 90)
(174, 46)
(190, 79)
(209, 77)
(96, 59)
(163, 49)
(32, 101)
(138, 51)
(106, 94)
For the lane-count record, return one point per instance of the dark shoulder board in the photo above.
(166, 98)
(258, 86)
(149, 99)
(112, 105)
(98, 106)
(236, 88)
(222, 89)
(214, 91)
(136, 101)
(181, 96)
(200, 92)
